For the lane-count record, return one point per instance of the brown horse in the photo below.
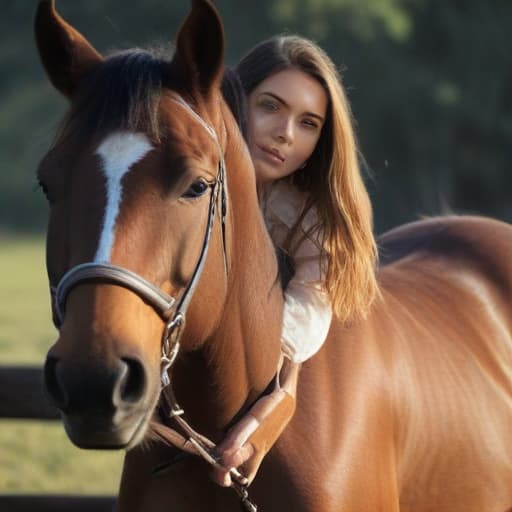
(154, 218)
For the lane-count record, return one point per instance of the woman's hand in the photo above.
(254, 435)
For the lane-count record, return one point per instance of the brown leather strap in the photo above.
(194, 442)
(93, 271)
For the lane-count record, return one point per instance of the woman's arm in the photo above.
(307, 317)
(307, 311)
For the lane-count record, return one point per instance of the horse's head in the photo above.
(131, 181)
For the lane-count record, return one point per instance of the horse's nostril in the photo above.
(52, 383)
(132, 382)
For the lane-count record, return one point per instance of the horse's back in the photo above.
(476, 243)
(412, 408)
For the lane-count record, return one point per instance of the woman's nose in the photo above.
(284, 130)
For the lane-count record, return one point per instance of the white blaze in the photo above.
(118, 152)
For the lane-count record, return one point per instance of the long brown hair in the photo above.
(332, 176)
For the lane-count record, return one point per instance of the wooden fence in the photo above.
(22, 397)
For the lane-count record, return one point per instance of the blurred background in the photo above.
(430, 83)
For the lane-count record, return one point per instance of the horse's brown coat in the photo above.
(409, 410)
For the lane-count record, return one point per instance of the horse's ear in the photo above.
(65, 53)
(199, 56)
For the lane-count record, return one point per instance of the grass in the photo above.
(26, 330)
(37, 457)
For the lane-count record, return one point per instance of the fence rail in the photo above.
(49, 503)
(22, 397)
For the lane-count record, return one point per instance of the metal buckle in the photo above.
(170, 346)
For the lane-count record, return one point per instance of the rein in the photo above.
(173, 311)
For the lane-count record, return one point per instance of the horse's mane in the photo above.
(121, 94)
(124, 94)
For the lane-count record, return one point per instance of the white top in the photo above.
(307, 308)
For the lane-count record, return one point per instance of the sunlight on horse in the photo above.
(156, 243)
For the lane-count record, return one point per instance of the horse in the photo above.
(165, 289)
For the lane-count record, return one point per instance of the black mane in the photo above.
(123, 93)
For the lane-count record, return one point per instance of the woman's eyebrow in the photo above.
(285, 104)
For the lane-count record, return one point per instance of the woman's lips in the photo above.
(272, 154)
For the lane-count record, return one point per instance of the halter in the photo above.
(172, 310)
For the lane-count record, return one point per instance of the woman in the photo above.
(298, 126)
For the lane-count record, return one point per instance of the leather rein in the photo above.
(173, 311)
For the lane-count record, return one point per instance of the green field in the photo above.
(37, 456)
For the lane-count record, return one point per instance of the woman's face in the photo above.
(286, 114)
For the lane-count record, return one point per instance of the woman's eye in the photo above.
(271, 106)
(310, 124)
(197, 189)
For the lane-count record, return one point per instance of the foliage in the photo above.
(428, 81)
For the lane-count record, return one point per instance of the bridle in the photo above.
(171, 309)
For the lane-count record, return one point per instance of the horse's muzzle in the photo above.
(103, 406)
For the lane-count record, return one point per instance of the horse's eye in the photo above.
(197, 189)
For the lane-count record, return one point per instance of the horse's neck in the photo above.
(235, 366)
(258, 305)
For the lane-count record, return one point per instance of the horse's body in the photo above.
(409, 410)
